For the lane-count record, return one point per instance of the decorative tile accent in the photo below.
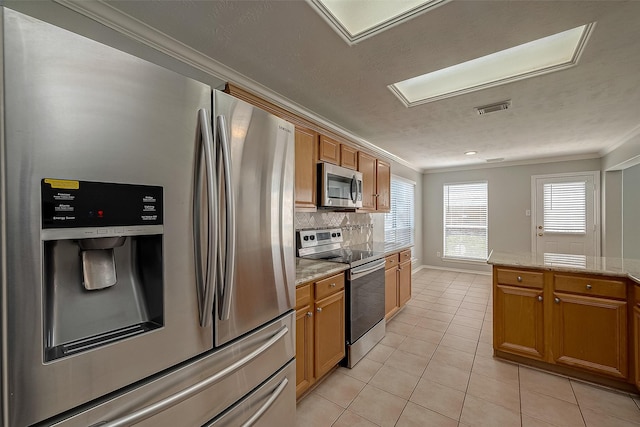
(357, 228)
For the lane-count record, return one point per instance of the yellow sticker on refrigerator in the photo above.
(65, 184)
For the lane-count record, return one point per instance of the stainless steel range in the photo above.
(365, 325)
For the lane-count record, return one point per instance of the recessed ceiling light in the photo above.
(548, 54)
(470, 153)
(356, 20)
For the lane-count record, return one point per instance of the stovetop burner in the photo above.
(326, 245)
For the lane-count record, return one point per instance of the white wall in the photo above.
(631, 212)
(509, 191)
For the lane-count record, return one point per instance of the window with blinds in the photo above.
(565, 207)
(466, 221)
(399, 222)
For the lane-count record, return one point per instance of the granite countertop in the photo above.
(385, 247)
(309, 270)
(609, 266)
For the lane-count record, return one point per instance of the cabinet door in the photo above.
(383, 186)
(329, 150)
(590, 333)
(329, 333)
(304, 349)
(391, 298)
(305, 181)
(348, 157)
(636, 343)
(404, 281)
(518, 317)
(367, 165)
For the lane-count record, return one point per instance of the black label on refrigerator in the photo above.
(71, 204)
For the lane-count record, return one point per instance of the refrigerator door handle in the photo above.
(264, 408)
(206, 280)
(181, 396)
(228, 267)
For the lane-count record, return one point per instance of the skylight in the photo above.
(355, 20)
(553, 53)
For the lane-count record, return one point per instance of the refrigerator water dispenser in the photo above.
(103, 264)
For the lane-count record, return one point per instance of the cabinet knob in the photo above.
(540, 227)
(519, 279)
(589, 286)
(539, 297)
(540, 234)
(333, 285)
(556, 300)
(319, 309)
(309, 314)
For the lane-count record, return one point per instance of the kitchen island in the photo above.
(574, 315)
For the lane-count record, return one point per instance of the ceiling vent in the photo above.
(492, 108)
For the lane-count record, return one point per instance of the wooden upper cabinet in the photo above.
(305, 181)
(367, 166)
(329, 150)
(348, 157)
(383, 186)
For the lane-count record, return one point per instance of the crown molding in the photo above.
(540, 160)
(137, 30)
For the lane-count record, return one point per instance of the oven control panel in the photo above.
(311, 238)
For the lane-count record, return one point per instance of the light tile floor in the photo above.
(435, 368)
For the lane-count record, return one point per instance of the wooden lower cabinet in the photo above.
(320, 329)
(572, 322)
(636, 344)
(397, 282)
(329, 333)
(590, 333)
(404, 282)
(519, 321)
(391, 298)
(304, 349)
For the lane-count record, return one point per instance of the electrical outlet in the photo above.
(527, 212)
(438, 254)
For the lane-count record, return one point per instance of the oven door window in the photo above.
(366, 304)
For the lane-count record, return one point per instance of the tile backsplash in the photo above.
(356, 228)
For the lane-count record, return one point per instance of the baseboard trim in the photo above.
(457, 270)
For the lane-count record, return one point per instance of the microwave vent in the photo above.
(492, 108)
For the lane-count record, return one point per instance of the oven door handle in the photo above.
(369, 268)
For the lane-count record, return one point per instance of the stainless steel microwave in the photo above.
(339, 187)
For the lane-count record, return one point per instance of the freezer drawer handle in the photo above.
(264, 408)
(164, 404)
(205, 284)
(226, 269)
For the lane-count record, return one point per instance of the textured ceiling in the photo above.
(287, 47)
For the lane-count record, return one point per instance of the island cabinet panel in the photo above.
(590, 333)
(519, 321)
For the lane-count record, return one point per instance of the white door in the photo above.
(565, 217)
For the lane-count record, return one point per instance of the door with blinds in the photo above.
(565, 221)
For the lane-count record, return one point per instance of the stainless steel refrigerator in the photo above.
(146, 243)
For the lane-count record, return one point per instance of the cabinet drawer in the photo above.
(329, 285)
(391, 261)
(303, 295)
(528, 279)
(591, 286)
(405, 255)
